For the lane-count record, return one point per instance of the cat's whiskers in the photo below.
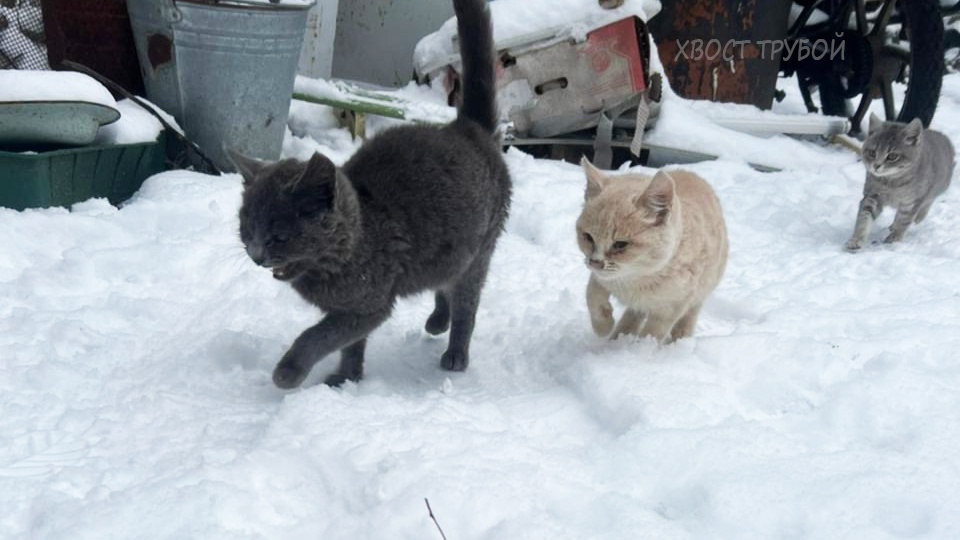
(610, 270)
(234, 259)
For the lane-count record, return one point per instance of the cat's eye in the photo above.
(869, 154)
(587, 238)
(620, 246)
(279, 238)
(893, 158)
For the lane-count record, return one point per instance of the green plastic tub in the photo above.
(66, 176)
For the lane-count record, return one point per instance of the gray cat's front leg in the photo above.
(869, 210)
(336, 331)
(922, 212)
(901, 223)
(351, 365)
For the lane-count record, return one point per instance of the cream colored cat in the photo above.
(659, 245)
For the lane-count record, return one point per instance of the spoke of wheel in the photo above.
(862, 109)
(802, 19)
(861, 17)
(807, 98)
(889, 107)
(881, 23)
(900, 53)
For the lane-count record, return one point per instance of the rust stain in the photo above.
(159, 50)
(734, 83)
(700, 12)
(745, 13)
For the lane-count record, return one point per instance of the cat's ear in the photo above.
(875, 123)
(249, 168)
(596, 180)
(911, 133)
(318, 170)
(316, 187)
(657, 199)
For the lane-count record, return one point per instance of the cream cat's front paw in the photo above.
(601, 317)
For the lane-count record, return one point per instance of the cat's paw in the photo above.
(602, 320)
(336, 380)
(288, 376)
(437, 323)
(894, 236)
(454, 361)
(853, 245)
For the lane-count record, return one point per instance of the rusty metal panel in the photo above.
(95, 33)
(743, 73)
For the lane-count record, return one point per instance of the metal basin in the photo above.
(53, 122)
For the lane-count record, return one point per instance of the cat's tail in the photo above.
(477, 52)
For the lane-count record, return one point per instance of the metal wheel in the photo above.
(886, 42)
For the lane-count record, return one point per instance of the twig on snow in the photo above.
(430, 510)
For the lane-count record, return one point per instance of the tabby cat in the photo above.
(907, 168)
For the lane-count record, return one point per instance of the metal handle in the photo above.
(170, 12)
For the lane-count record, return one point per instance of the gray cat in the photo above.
(907, 168)
(416, 208)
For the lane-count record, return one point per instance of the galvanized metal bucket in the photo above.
(225, 71)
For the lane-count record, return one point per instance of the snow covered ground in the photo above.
(819, 399)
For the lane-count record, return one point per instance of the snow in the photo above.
(516, 19)
(26, 85)
(816, 17)
(134, 126)
(820, 397)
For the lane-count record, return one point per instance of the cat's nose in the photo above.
(256, 254)
(596, 264)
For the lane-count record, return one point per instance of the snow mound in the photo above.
(26, 85)
(135, 126)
